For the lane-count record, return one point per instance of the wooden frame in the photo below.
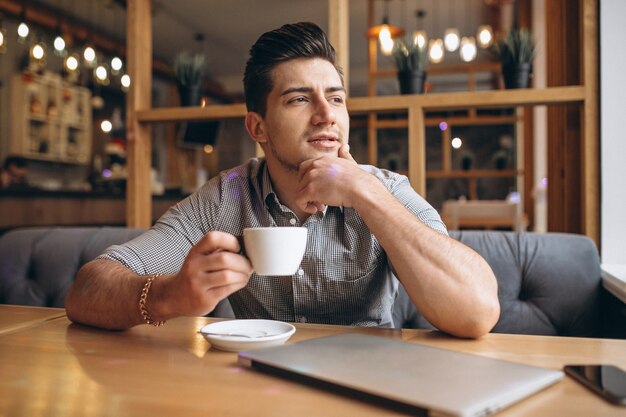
(140, 114)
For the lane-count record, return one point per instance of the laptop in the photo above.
(412, 377)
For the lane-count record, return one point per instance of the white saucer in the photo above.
(237, 335)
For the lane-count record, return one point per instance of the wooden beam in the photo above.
(417, 150)
(443, 101)
(139, 46)
(478, 99)
(182, 114)
(339, 34)
(591, 141)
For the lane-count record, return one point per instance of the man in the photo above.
(13, 172)
(365, 224)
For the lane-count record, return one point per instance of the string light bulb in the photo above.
(484, 36)
(3, 37)
(37, 52)
(106, 126)
(22, 28)
(101, 74)
(468, 48)
(71, 63)
(419, 35)
(59, 43)
(435, 50)
(22, 32)
(125, 81)
(451, 39)
(116, 65)
(89, 55)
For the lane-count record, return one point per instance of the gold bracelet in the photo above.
(143, 298)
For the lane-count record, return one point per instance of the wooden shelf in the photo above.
(184, 114)
(474, 173)
(426, 102)
(470, 99)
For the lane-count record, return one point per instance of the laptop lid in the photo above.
(406, 375)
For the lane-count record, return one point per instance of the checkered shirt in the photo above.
(344, 278)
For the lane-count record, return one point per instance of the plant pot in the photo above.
(196, 133)
(517, 75)
(411, 82)
(466, 162)
(190, 94)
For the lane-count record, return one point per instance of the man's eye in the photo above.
(337, 99)
(298, 100)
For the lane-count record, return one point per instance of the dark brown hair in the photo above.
(292, 41)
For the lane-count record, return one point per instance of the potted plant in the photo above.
(516, 52)
(411, 61)
(190, 70)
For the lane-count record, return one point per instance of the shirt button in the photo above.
(292, 221)
(300, 271)
(303, 319)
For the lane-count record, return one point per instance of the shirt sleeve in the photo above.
(400, 187)
(164, 247)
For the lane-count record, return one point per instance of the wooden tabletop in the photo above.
(56, 368)
(14, 318)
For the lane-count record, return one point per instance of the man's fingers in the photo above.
(344, 152)
(214, 241)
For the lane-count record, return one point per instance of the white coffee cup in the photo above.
(275, 250)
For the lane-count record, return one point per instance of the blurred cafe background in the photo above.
(531, 162)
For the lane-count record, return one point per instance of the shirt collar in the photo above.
(267, 190)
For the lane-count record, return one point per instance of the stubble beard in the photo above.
(289, 166)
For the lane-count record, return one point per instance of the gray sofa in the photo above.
(549, 284)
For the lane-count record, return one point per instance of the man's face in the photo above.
(17, 174)
(306, 113)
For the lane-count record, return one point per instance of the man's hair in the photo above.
(292, 41)
(16, 161)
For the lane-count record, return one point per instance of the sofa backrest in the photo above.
(38, 265)
(548, 283)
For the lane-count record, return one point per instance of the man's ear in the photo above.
(255, 127)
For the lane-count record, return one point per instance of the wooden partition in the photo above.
(584, 96)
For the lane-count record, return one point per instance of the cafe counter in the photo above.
(35, 207)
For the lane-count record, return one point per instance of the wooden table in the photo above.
(55, 368)
(13, 318)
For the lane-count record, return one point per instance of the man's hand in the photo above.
(330, 181)
(212, 270)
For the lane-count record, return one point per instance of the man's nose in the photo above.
(324, 113)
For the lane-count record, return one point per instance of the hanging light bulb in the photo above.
(3, 39)
(125, 80)
(89, 55)
(106, 126)
(485, 36)
(59, 43)
(37, 52)
(385, 33)
(116, 65)
(419, 36)
(435, 51)
(451, 39)
(386, 42)
(101, 74)
(468, 48)
(71, 63)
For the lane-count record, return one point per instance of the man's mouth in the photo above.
(324, 138)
